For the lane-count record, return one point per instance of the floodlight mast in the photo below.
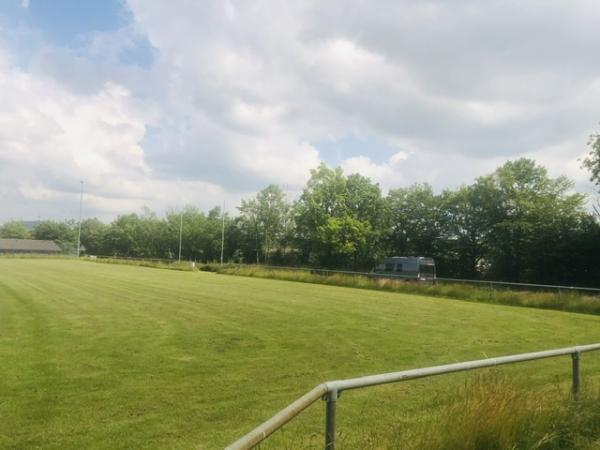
(80, 215)
(180, 234)
(222, 232)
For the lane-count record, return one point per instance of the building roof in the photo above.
(28, 245)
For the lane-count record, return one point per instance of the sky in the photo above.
(168, 103)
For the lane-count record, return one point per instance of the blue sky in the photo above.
(64, 22)
(335, 151)
(164, 103)
(71, 24)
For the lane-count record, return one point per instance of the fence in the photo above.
(487, 283)
(152, 262)
(331, 390)
(138, 258)
(522, 285)
(326, 272)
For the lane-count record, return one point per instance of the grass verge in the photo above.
(496, 413)
(35, 256)
(157, 264)
(571, 301)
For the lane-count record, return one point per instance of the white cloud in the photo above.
(423, 72)
(238, 92)
(51, 138)
(390, 174)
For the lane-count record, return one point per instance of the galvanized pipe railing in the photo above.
(331, 390)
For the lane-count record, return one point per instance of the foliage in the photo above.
(420, 224)
(93, 236)
(339, 220)
(55, 231)
(592, 162)
(529, 210)
(468, 233)
(14, 230)
(63, 233)
(266, 219)
(514, 224)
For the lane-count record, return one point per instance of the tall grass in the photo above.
(36, 256)
(571, 301)
(156, 264)
(489, 412)
(496, 414)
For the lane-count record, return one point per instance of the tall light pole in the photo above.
(80, 214)
(180, 234)
(222, 232)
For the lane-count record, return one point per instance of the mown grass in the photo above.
(561, 301)
(116, 356)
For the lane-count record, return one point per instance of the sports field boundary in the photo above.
(330, 391)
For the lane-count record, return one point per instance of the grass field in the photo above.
(115, 356)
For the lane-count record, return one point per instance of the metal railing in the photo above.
(392, 276)
(520, 285)
(325, 272)
(330, 391)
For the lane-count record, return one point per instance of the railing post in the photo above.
(331, 401)
(576, 358)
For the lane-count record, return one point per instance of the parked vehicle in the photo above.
(409, 267)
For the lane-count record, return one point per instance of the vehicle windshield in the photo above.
(427, 269)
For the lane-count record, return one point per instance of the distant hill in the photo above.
(31, 224)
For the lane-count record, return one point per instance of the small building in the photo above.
(31, 246)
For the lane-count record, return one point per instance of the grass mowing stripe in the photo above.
(152, 359)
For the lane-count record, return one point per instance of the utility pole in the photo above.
(180, 234)
(222, 232)
(80, 215)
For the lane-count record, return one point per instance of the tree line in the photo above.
(515, 224)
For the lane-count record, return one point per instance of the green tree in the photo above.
(131, 235)
(63, 233)
(265, 219)
(530, 214)
(345, 237)
(14, 229)
(93, 237)
(592, 161)
(339, 220)
(201, 237)
(469, 226)
(194, 236)
(273, 211)
(249, 226)
(417, 220)
(55, 231)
